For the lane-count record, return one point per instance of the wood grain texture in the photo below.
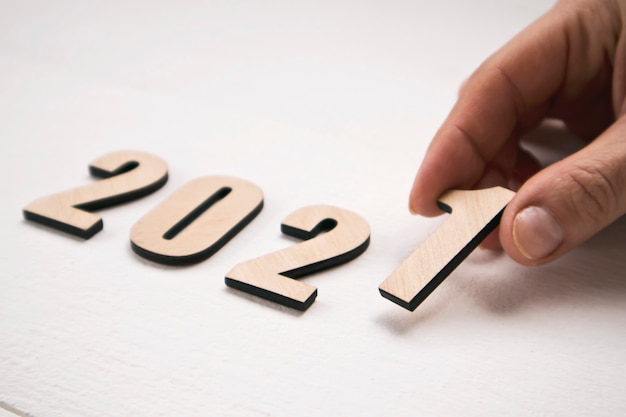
(473, 215)
(127, 174)
(346, 237)
(196, 220)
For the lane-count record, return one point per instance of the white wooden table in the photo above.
(329, 102)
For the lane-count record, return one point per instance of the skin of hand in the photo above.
(570, 65)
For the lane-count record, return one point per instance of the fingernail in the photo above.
(536, 232)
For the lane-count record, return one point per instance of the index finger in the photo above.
(516, 80)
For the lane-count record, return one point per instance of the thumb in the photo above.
(568, 202)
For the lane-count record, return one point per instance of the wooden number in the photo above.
(197, 220)
(347, 236)
(129, 175)
(474, 214)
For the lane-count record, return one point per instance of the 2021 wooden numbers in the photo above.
(203, 215)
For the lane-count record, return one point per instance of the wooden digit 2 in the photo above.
(270, 276)
(128, 175)
(197, 220)
(473, 215)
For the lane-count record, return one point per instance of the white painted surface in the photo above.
(6, 413)
(316, 102)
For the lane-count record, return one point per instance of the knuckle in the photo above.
(594, 195)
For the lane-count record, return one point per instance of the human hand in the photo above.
(569, 65)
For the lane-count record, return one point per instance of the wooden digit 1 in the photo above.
(346, 236)
(197, 220)
(473, 215)
(127, 175)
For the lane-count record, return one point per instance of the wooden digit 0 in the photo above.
(197, 220)
(473, 215)
(346, 236)
(127, 175)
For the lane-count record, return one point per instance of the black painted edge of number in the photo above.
(271, 296)
(297, 273)
(124, 197)
(63, 227)
(203, 254)
(95, 205)
(447, 269)
(328, 263)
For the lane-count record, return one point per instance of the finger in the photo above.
(590, 119)
(549, 66)
(492, 241)
(526, 166)
(515, 81)
(568, 202)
